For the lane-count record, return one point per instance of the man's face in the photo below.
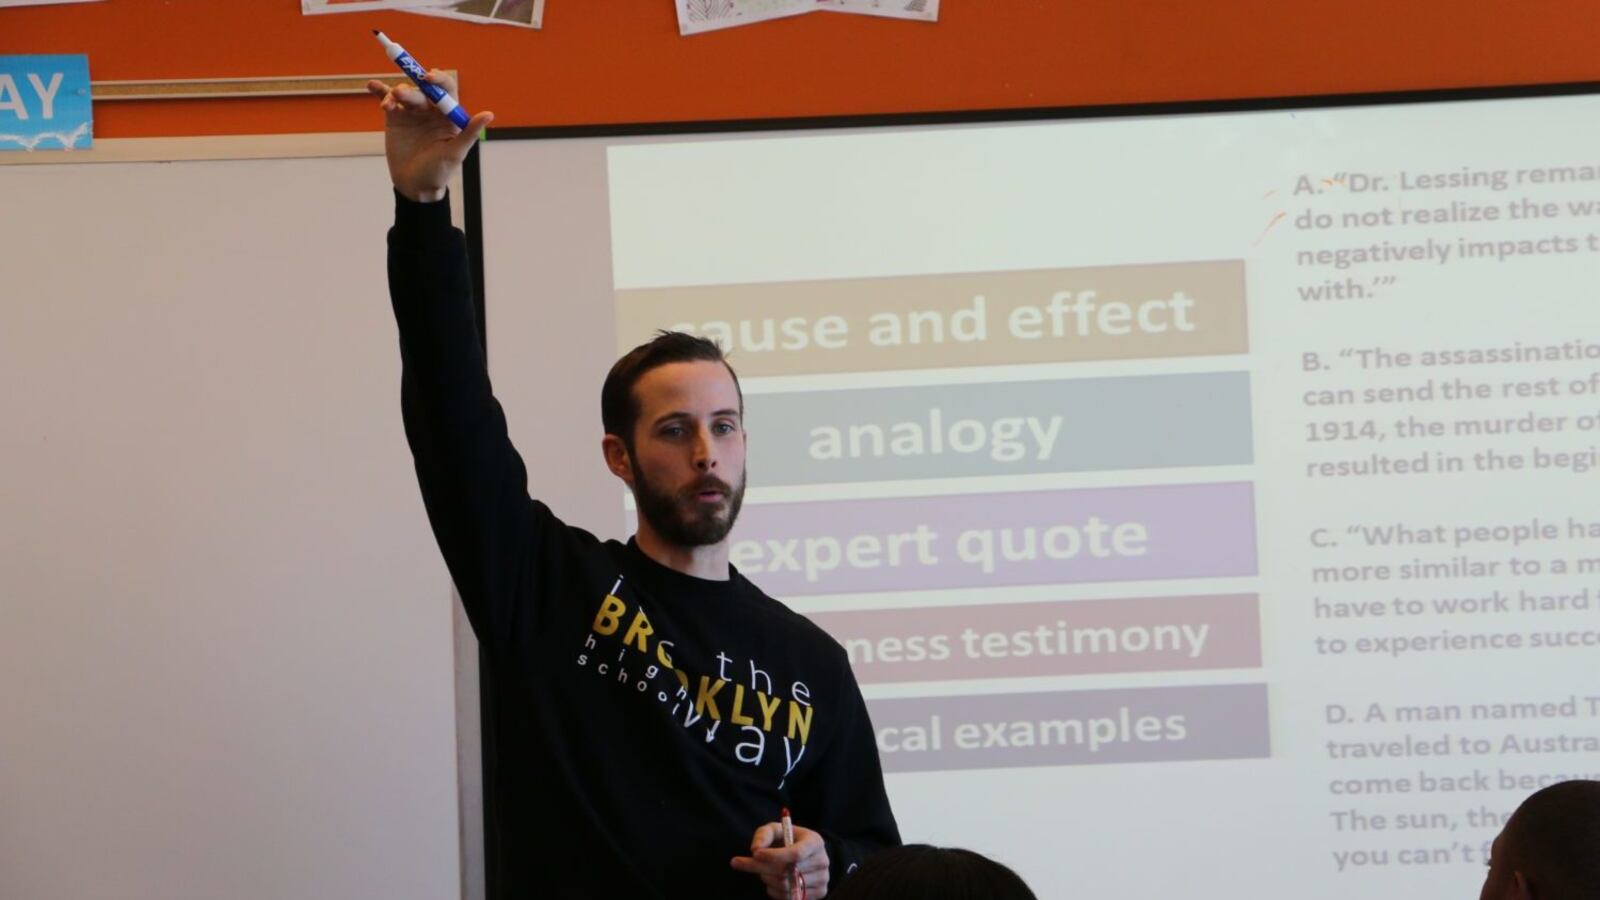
(687, 466)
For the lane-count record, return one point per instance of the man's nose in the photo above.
(705, 450)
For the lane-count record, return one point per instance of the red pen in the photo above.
(795, 880)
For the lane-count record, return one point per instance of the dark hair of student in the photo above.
(924, 872)
(1554, 840)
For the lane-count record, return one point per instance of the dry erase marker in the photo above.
(446, 103)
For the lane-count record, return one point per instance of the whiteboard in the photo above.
(227, 660)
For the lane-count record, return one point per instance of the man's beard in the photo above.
(683, 520)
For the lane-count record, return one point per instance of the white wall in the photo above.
(226, 650)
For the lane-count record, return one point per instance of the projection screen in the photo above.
(1206, 499)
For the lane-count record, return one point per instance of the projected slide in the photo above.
(1207, 503)
(953, 428)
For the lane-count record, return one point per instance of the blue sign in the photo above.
(44, 103)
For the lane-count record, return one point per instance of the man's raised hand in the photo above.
(423, 147)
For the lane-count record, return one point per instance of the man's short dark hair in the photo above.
(619, 407)
(1554, 840)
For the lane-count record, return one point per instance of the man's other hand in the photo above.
(775, 864)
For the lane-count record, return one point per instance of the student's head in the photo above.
(922, 872)
(674, 421)
(1550, 847)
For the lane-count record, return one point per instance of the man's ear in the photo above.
(616, 456)
(1520, 888)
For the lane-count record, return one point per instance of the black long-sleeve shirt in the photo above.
(667, 716)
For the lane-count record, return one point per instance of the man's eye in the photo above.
(725, 428)
(672, 430)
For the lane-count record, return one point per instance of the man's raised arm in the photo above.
(473, 482)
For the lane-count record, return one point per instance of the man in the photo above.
(672, 709)
(1550, 847)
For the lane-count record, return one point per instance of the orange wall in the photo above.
(623, 60)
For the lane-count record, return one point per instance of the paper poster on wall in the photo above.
(696, 16)
(317, 7)
(44, 103)
(523, 13)
(920, 10)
